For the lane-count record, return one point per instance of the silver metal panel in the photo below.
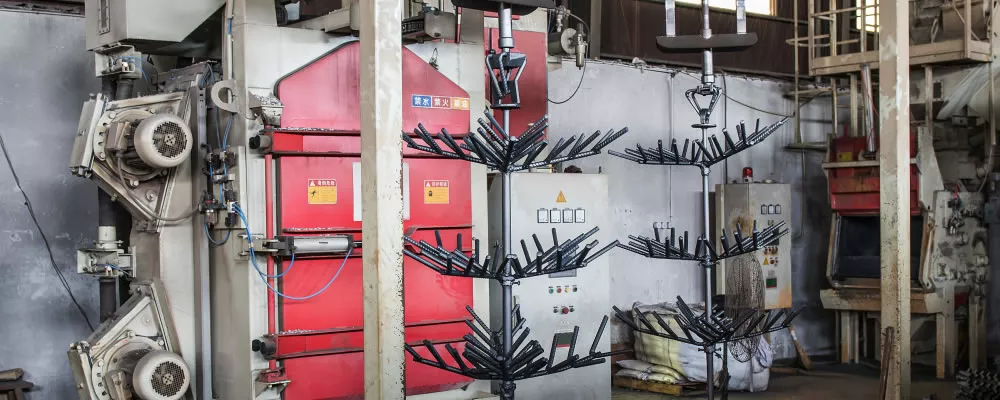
(110, 21)
(322, 244)
(958, 257)
(542, 299)
(767, 204)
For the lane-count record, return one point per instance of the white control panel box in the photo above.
(768, 204)
(553, 304)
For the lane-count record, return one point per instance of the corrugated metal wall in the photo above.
(629, 29)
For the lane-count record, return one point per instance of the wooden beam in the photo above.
(382, 193)
(894, 173)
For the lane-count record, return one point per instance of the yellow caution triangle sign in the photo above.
(561, 198)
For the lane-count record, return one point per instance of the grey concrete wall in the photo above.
(45, 75)
(651, 102)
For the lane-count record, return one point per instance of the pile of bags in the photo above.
(669, 361)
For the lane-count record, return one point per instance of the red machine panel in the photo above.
(533, 82)
(854, 189)
(318, 173)
(439, 192)
(326, 95)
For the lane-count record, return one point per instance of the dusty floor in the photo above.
(827, 385)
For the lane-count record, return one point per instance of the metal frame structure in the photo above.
(495, 354)
(713, 326)
(261, 53)
(843, 48)
(828, 55)
(843, 64)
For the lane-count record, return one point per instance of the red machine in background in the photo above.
(854, 181)
(936, 269)
(316, 156)
(854, 198)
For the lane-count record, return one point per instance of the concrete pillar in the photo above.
(381, 188)
(894, 172)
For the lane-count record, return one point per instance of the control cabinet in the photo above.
(767, 204)
(572, 204)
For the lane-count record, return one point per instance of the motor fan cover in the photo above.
(161, 375)
(163, 140)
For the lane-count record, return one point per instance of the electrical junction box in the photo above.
(768, 204)
(553, 304)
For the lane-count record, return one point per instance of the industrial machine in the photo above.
(502, 351)
(133, 355)
(740, 204)
(948, 255)
(714, 325)
(139, 152)
(572, 204)
(237, 162)
(316, 191)
(953, 128)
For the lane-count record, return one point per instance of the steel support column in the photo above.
(894, 171)
(382, 194)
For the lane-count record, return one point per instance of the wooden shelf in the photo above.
(950, 52)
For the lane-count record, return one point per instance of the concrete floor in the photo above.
(817, 386)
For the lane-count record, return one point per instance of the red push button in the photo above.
(565, 310)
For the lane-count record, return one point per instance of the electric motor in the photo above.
(163, 140)
(161, 375)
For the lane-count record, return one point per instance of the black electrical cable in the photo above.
(583, 72)
(48, 247)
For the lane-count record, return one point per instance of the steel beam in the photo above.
(595, 29)
(894, 172)
(382, 194)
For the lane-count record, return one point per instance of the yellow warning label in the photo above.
(766, 261)
(844, 156)
(561, 198)
(437, 192)
(322, 191)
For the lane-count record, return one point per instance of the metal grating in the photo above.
(168, 379)
(169, 139)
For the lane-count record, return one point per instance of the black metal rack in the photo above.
(492, 146)
(506, 355)
(560, 257)
(700, 153)
(484, 356)
(711, 327)
(678, 248)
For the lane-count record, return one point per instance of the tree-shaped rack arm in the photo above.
(569, 255)
(709, 328)
(679, 248)
(483, 356)
(493, 146)
(700, 153)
